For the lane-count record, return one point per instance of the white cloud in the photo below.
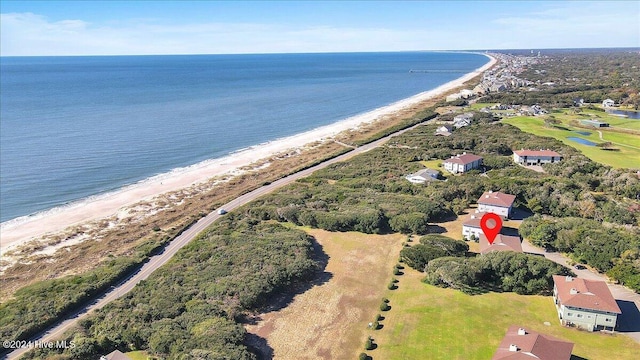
(563, 25)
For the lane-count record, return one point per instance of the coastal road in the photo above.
(179, 242)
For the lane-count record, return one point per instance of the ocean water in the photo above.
(75, 127)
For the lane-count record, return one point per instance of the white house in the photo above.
(535, 157)
(471, 228)
(462, 120)
(608, 103)
(423, 176)
(462, 163)
(497, 203)
(444, 130)
(586, 304)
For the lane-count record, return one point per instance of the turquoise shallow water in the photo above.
(73, 127)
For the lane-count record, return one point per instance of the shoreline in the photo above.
(18, 231)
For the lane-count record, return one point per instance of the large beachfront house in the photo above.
(520, 344)
(462, 163)
(497, 203)
(500, 243)
(586, 304)
(535, 157)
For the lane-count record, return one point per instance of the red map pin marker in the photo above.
(491, 225)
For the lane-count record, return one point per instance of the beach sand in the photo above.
(17, 232)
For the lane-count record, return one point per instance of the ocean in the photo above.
(76, 127)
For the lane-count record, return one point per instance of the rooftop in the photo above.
(519, 343)
(537, 153)
(463, 159)
(497, 199)
(585, 294)
(500, 243)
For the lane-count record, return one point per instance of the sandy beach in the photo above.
(15, 232)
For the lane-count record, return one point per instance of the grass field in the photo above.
(329, 321)
(628, 155)
(426, 322)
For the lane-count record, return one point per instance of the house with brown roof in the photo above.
(535, 157)
(586, 304)
(462, 163)
(500, 243)
(115, 355)
(497, 203)
(525, 344)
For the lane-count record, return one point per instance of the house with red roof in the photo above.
(525, 344)
(500, 243)
(462, 163)
(535, 157)
(586, 304)
(497, 203)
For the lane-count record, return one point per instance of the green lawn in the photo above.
(426, 322)
(626, 157)
(138, 355)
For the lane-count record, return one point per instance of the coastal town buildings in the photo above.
(500, 243)
(586, 304)
(535, 157)
(520, 343)
(496, 202)
(462, 163)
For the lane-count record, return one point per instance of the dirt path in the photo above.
(329, 321)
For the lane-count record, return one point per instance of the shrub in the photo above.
(368, 345)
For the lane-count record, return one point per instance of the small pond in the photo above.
(625, 113)
(582, 141)
(585, 133)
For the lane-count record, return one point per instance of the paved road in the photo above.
(172, 248)
(629, 301)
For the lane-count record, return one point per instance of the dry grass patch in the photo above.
(329, 321)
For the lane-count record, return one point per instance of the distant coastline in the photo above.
(20, 230)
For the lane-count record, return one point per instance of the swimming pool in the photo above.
(582, 141)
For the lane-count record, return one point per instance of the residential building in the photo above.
(444, 130)
(462, 120)
(496, 202)
(520, 344)
(462, 163)
(115, 355)
(594, 123)
(608, 103)
(471, 228)
(586, 304)
(535, 157)
(500, 243)
(423, 176)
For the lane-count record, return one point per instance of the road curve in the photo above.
(183, 239)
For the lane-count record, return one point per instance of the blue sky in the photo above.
(216, 27)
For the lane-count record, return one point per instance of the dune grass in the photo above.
(427, 322)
